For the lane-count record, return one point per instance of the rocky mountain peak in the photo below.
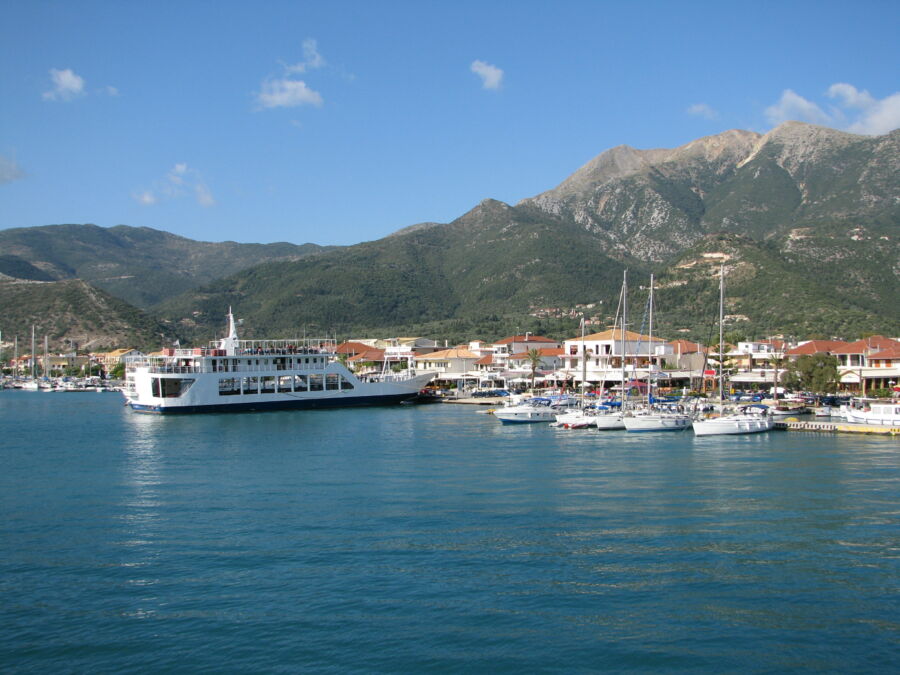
(615, 163)
(794, 143)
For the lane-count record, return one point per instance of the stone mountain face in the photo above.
(652, 204)
(805, 219)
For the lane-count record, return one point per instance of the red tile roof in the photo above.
(866, 345)
(352, 348)
(370, 354)
(892, 352)
(485, 360)
(615, 335)
(816, 347)
(687, 347)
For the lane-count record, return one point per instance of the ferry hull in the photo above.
(291, 404)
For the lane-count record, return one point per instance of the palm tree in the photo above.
(777, 363)
(534, 358)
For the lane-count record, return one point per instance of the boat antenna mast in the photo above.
(230, 342)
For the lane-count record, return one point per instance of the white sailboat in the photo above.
(32, 384)
(749, 420)
(581, 417)
(654, 418)
(612, 420)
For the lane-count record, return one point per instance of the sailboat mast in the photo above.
(583, 364)
(650, 349)
(33, 359)
(624, 315)
(721, 332)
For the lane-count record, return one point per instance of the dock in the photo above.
(836, 427)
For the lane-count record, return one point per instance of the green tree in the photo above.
(813, 372)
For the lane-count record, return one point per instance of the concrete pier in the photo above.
(836, 427)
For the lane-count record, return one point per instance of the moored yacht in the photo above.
(749, 420)
(531, 410)
(653, 420)
(234, 374)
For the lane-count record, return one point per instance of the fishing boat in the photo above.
(875, 414)
(748, 420)
(234, 375)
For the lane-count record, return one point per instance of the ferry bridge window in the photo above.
(345, 383)
(167, 387)
(315, 382)
(230, 386)
(250, 385)
(268, 385)
(300, 383)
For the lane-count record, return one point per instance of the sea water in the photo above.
(432, 538)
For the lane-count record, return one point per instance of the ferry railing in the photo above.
(166, 365)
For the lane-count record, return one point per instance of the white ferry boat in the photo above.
(234, 375)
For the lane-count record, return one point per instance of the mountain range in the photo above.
(804, 218)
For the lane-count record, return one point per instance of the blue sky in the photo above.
(341, 122)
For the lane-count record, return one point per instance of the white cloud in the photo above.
(144, 197)
(9, 170)
(875, 117)
(110, 90)
(703, 110)
(204, 196)
(286, 93)
(66, 85)
(857, 111)
(491, 76)
(792, 106)
(180, 181)
(850, 96)
(880, 118)
(312, 59)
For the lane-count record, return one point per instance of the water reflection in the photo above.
(140, 513)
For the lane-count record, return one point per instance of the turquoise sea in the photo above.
(432, 538)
